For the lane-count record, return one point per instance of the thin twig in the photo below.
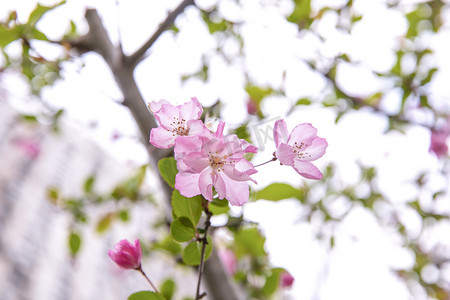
(273, 159)
(136, 57)
(148, 279)
(204, 242)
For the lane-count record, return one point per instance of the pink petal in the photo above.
(280, 132)
(220, 128)
(285, 154)
(187, 184)
(155, 106)
(316, 150)
(167, 115)
(206, 183)
(237, 175)
(236, 192)
(302, 133)
(186, 144)
(193, 163)
(196, 127)
(307, 170)
(191, 110)
(162, 138)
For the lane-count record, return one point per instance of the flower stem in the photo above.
(148, 279)
(273, 159)
(204, 241)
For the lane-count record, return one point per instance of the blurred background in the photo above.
(77, 174)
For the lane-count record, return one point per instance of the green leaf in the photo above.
(146, 295)
(7, 35)
(104, 223)
(257, 93)
(39, 11)
(168, 289)
(249, 241)
(167, 244)
(303, 101)
(168, 169)
(88, 184)
(190, 208)
(182, 230)
(218, 206)
(193, 251)
(272, 282)
(278, 191)
(74, 243)
(301, 12)
(124, 215)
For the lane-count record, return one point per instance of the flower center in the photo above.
(179, 127)
(218, 162)
(299, 150)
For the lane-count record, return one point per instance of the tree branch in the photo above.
(137, 56)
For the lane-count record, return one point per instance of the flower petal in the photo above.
(167, 115)
(236, 192)
(316, 150)
(307, 170)
(187, 184)
(191, 110)
(206, 183)
(196, 127)
(162, 138)
(305, 133)
(285, 154)
(155, 106)
(280, 132)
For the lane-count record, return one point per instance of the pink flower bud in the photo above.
(127, 255)
(286, 279)
(252, 107)
(229, 261)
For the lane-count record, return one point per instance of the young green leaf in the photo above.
(168, 289)
(249, 241)
(272, 282)
(74, 243)
(168, 169)
(39, 11)
(182, 230)
(190, 208)
(193, 251)
(218, 207)
(146, 295)
(278, 191)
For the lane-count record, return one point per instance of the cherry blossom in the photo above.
(207, 161)
(174, 121)
(127, 255)
(299, 148)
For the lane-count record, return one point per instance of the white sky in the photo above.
(358, 267)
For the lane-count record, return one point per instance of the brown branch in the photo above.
(137, 56)
(204, 241)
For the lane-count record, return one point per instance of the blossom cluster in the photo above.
(207, 159)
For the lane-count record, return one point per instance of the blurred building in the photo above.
(35, 262)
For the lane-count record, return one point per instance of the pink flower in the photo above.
(174, 121)
(438, 143)
(126, 255)
(229, 261)
(214, 160)
(30, 147)
(299, 148)
(286, 279)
